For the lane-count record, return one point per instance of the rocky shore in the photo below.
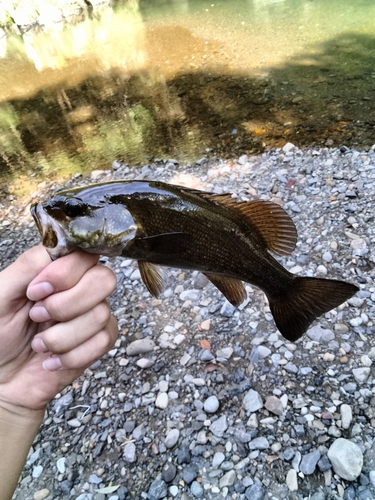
(202, 400)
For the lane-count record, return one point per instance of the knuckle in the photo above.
(52, 342)
(107, 278)
(101, 313)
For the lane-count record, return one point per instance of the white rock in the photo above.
(346, 459)
(289, 146)
(252, 401)
(291, 480)
(60, 464)
(361, 374)
(145, 363)
(211, 404)
(366, 360)
(346, 416)
(162, 400)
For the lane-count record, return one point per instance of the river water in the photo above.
(184, 79)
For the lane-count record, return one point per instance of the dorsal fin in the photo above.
(271, 221)
(152, 277)
(231, 288)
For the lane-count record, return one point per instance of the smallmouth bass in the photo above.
(160, 224)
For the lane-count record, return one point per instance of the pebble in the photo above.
(140, 346)
(162, 401)
(169, 472)
(252, 401)
(228, 479)
(211, 404)
(346, 416)
(309, 461)
(361, 374)
(37, 471)
(218, 459)
(41, 494)
(274, 405)
(130, 453)
(219, 426)
(292, 480)
(172, 438)
(158, 489)
(196, 489)
(255, 492)
(346, 458)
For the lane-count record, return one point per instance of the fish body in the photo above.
(159, 224)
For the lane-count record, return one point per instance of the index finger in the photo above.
(61, 274)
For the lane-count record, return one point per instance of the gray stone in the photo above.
(219, 426)
(62, 403)
(196, 489)
(252, 401)
(319, 495)
(139, 432)
(218, 459)
(169, 472)
(309, 461)
(228, 479)
(140, 346)
(37, 471)
(260, 443)
(192, 295)
(346, 459)
(319, 334)
(211, 404)
(130, 453)
(172, 438)
(274, 405)
(255, 492)
(189, 473)
(227, 310)
(158, 489)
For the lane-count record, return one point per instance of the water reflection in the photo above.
(134, 84)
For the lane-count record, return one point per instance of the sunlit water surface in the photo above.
(185, 79)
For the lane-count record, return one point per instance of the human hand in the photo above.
(47, 344)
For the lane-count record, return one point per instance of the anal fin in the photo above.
(232, 288)
(152, 277)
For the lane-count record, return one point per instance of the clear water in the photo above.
(183, 79)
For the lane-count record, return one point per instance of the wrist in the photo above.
(17, 414)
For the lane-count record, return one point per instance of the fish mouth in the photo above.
(51, 231)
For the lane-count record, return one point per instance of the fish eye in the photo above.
(73, 207)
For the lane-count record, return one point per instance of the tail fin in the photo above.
(308, 299)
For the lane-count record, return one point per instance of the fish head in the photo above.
(71, 220)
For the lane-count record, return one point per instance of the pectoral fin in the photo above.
(233, 289)
(152, 277)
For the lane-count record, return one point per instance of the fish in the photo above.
(160, 224)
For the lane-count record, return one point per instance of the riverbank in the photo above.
(253, 416)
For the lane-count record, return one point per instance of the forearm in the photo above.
(18, 428)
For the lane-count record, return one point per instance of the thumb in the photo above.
(16, 277)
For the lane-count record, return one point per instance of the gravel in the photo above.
(252, 416)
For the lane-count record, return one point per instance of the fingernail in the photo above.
(38, 345)
(39, 291)
(52, 364)
(39, 314)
